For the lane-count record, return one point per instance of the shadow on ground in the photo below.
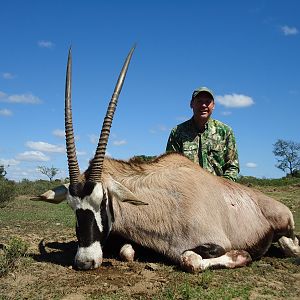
(60, 253)
(63, 253)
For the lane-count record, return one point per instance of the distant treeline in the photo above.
(10, 189)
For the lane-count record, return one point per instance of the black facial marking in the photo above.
(104, 218)
(82, 189)
(87, 230)
(111, 208)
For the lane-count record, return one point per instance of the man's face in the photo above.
(202, 105)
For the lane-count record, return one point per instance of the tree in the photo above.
(288, 156)
(49, 172)
(2, 172)
(143, 158)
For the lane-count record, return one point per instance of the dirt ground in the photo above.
(47, 272)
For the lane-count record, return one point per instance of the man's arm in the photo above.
(231, 168)
(173, 144)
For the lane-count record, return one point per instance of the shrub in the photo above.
(296, 174)
(11, 255)
(253, 181)
(2, 172)
(7, 191)
(31, 188)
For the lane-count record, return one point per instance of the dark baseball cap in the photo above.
(200, 90)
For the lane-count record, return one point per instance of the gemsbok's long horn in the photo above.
(70, 143)
(97, 162)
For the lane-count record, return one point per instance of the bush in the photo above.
(7, 191)
(31, 188)
(11, 255)
(296, 174)
(10, 189)
(253, 181)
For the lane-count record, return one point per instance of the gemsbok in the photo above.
(170, 205)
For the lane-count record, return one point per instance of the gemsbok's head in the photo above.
(90, 195)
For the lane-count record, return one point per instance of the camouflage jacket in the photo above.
(214, 149)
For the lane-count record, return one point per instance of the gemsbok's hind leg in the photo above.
(193, 262)
(287, 240)
(290, 246)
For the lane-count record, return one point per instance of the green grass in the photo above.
(249, 180)
(11, 254)
(7, 191)
(187, 291)
(268, 278)
(207, 285)
(46, 214)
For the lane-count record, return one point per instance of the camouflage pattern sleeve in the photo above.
(231, 166)
(173, 144)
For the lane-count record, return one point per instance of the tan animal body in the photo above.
(170, 205)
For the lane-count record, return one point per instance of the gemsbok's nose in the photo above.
(83, 265)
(87, 265)
(89, 257)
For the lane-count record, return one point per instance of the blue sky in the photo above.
(247, 52)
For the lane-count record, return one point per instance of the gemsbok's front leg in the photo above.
(127, 253)
(193, 262)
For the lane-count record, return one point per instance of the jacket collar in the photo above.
(208, 125)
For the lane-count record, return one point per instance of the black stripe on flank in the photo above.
(209, 250)
(262, 245)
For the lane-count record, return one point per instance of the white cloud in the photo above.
(159, 128)
(226, 113)
(59, 133)
(32, 156)
(289, 30)
(24, 98)
(162, 128)
(9, 162)
(119, 142)
(2, 95)
(8, 75)
(80, 153)
(18, 173)
(93, 138)
(251, 165)
(45, 44)
(294, 92)
(46, 147)
(20, 98)
(182, 118)
(5, 112)
(235, 100)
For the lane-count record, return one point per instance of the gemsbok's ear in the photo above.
(122, 193)
(55, 195)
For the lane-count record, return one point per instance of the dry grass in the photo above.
(46, 272)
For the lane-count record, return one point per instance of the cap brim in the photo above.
(202, 90)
